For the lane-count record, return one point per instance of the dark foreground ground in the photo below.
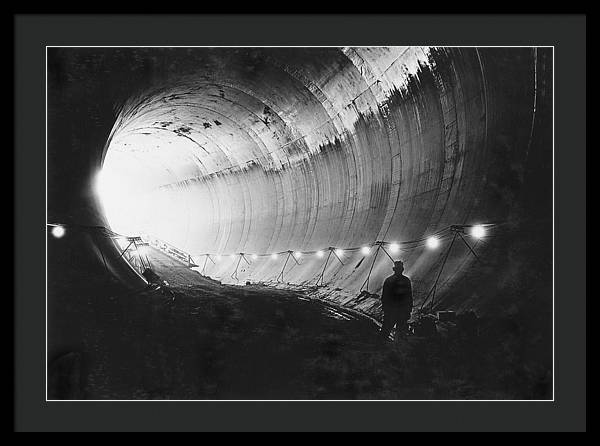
(222, 342)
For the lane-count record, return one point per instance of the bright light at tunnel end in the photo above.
(123, 195)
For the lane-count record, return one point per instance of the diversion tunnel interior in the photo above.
(262, 151)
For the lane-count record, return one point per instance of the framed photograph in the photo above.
(250, 232)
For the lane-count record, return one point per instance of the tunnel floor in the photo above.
(219, 342)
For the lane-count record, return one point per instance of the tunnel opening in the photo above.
(313, 169)
(266, 151)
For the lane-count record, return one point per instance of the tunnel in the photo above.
(307, 168)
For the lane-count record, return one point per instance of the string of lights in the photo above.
(478, 232)
(431, 241)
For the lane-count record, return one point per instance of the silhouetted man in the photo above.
(397, 302)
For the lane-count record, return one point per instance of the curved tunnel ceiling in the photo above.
(276, 149)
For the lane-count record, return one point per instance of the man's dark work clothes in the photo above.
(397, 302)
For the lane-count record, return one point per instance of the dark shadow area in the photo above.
(213, 341)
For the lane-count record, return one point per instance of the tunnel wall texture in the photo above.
(227, 151)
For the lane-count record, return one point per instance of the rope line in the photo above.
(403, 245)
(445, 233)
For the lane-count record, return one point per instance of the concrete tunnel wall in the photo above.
(265, 150)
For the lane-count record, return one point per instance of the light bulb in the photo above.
(433, 242)
(478, 231)
(58, 231)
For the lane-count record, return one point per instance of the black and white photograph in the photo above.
(292, 223)
(300, 222)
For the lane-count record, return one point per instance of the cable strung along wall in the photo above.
(268, 150)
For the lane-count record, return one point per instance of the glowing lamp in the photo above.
(478, 231)
(58, 231)
(433, 242)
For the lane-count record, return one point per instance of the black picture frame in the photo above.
(567, 33)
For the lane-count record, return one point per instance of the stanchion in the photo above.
(433, 289)
(366, 282)
(206, 260)
(323, 271)
(234, 275)
(125, 250)
(285, 264)
(379, 246)
(469, 246)
(322, 274)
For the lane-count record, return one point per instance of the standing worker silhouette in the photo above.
(397, 302)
